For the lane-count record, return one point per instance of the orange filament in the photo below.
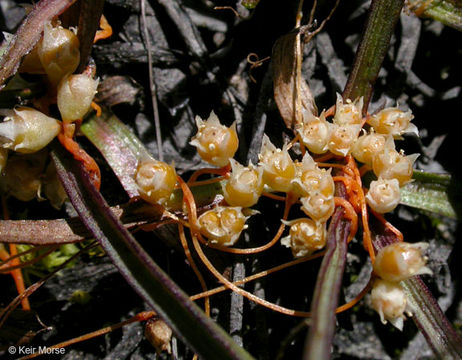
(259, 275)
(389, 226)
(97, 108)
(88, 163)
(206, 182)
(15, 262)
(143, 316)
(350, 214)
(105, 32)
(324, 158)
(224, 171)
(191, 261)
(273, 196)
(357, 298)
(191, 206)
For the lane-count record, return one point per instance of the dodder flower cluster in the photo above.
(308, 183)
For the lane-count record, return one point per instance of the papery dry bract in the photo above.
(22, 176)
(159, 334)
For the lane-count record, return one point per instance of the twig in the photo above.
(152, 84)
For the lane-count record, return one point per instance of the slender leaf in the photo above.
(438, 193)
(119, 146)
(430, 319)
(186, 319)
(29, 34)
(328, 284)
(383, 15)
(65, 231)
(449, 12)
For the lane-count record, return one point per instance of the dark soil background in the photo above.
(207, 69)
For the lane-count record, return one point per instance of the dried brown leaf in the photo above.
(291, 92)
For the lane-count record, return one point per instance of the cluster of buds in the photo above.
(28, 130)
(375, 149)
(393, 264)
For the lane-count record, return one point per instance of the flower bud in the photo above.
(400, 261)
(318, 207)
(305, 236)
(159, 335)
(393, 121)
(27, 130)
(244, 186)
(222, 225)
(215, 143)
(391, 164)
(75, 95)
(309, 178)
(278, 167)
(314, 133)
(58, 52)
(389, 300)
(383, 195)
(368, 145)
(156, 181)
(348, 112)
(342, 138)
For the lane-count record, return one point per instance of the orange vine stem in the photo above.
(259, 275)
(357, 298)
(105, 32)
(221, 171)
(389, 226)
(193, 265)
(143, 316)
(15, 262)
(350, 214)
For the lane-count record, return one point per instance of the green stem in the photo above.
(383, 15)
